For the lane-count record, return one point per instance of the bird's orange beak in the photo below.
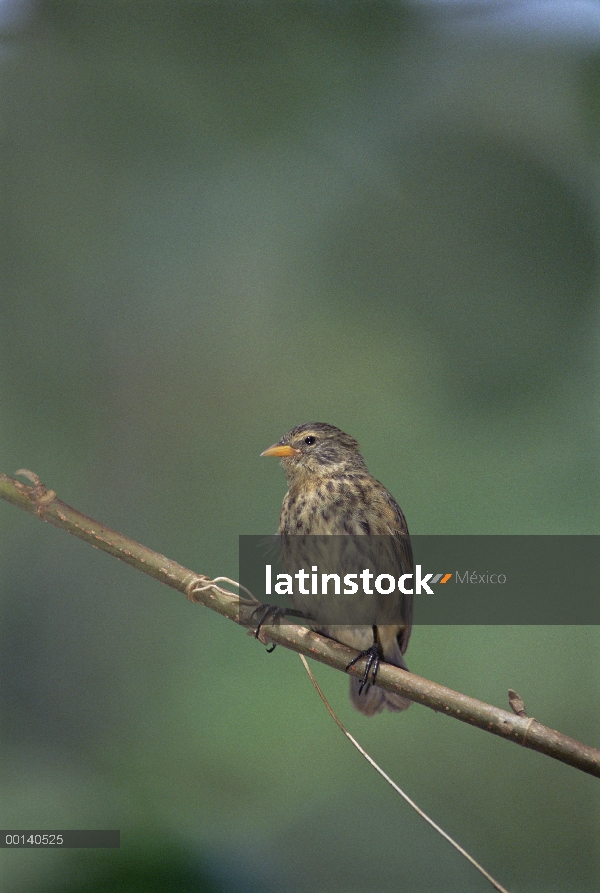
(280, 449)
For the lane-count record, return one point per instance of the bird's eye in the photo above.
(310, 440)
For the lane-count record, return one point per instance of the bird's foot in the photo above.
(373, 655)
(271, 613)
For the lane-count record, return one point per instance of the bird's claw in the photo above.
(373, 655)
(272, 611)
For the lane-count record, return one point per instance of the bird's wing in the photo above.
(405, 560)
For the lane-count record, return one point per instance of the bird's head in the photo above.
(316, 450)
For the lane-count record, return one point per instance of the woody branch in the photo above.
(526, 731)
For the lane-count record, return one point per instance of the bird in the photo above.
(331, 493)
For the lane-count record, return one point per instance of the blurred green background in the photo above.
(221, 220)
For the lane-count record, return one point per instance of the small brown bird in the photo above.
(331, 492)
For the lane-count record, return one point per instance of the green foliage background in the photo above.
(221, 220)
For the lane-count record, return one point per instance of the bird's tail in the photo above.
(373, 699)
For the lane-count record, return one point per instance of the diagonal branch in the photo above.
(523, 730)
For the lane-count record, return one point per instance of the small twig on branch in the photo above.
(527, 732)
(517, 705)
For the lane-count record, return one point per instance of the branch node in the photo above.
(41, 495)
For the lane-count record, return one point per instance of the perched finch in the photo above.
(330, 493)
